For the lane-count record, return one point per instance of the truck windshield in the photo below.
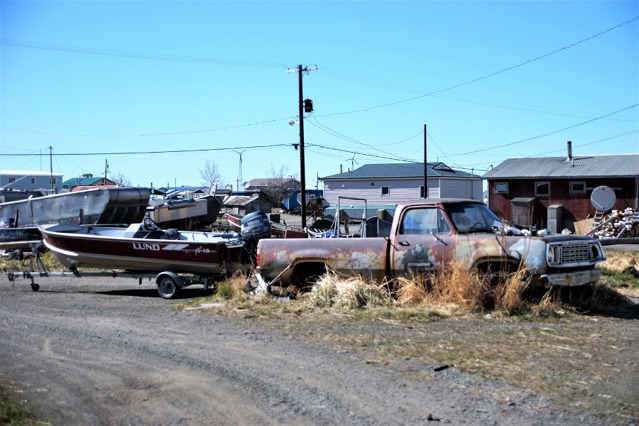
(472, 217)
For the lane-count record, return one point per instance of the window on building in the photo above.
(577, 187)
(12, 179)
(501, 187)
(385, 190)
(33, 181)
(54, 181)
(542, 189)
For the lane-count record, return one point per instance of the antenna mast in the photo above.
(239, 178)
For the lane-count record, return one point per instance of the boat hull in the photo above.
(235, 222)
(193, 253)
(198, 213)
(103, 205)
(19, 238)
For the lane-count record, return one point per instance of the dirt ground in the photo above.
(110, 351)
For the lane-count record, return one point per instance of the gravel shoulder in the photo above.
(108, 351)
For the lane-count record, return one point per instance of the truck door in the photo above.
(423, 242)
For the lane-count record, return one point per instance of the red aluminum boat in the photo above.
(141, 247)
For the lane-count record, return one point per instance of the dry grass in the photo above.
(233, 288)
(354, 292)
(509, 292)
(466, 289)
(618, 261)
(28, 263)
(455, 290)
(620, 272)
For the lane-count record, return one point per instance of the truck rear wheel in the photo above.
(307, 274)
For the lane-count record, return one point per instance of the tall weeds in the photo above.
(468, 289)
(455, 286)
(509, 291)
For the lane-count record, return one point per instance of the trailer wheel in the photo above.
(35, 287)
(167, 286)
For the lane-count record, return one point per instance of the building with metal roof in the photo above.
(521, 190)
(87, 180)
(387, 184)
(593, 166)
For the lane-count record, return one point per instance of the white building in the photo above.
(31, 181)
(384, 185)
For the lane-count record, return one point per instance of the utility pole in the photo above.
(308, 106)
(425, 165)
(51, 170)
(106, 169)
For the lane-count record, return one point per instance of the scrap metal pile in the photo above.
(617, 224)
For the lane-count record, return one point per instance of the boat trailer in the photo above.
(168, 282)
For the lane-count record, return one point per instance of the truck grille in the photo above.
(574, 253)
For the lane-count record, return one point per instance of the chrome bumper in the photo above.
(573, 279)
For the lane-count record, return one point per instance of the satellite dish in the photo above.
(603, 198)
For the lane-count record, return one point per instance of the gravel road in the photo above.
(107, 351)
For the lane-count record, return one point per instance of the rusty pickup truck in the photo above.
(425, 236)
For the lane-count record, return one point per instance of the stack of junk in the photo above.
(616, 224)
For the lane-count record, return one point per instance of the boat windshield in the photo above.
(472, 217)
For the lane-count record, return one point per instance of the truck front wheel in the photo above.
(495, 273)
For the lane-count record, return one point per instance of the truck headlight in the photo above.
(597, 251)
(553, 254)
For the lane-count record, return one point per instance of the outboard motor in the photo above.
(254, 226)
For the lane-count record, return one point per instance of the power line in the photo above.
(186, 132)
(484, 77)
(179, 151)
(547, 134)
(139, 55)
(588, 143)
(478, 166)
(366, 154)
(348, 138)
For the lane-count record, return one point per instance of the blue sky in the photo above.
(123, 81)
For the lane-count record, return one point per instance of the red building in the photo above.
(537, 191)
